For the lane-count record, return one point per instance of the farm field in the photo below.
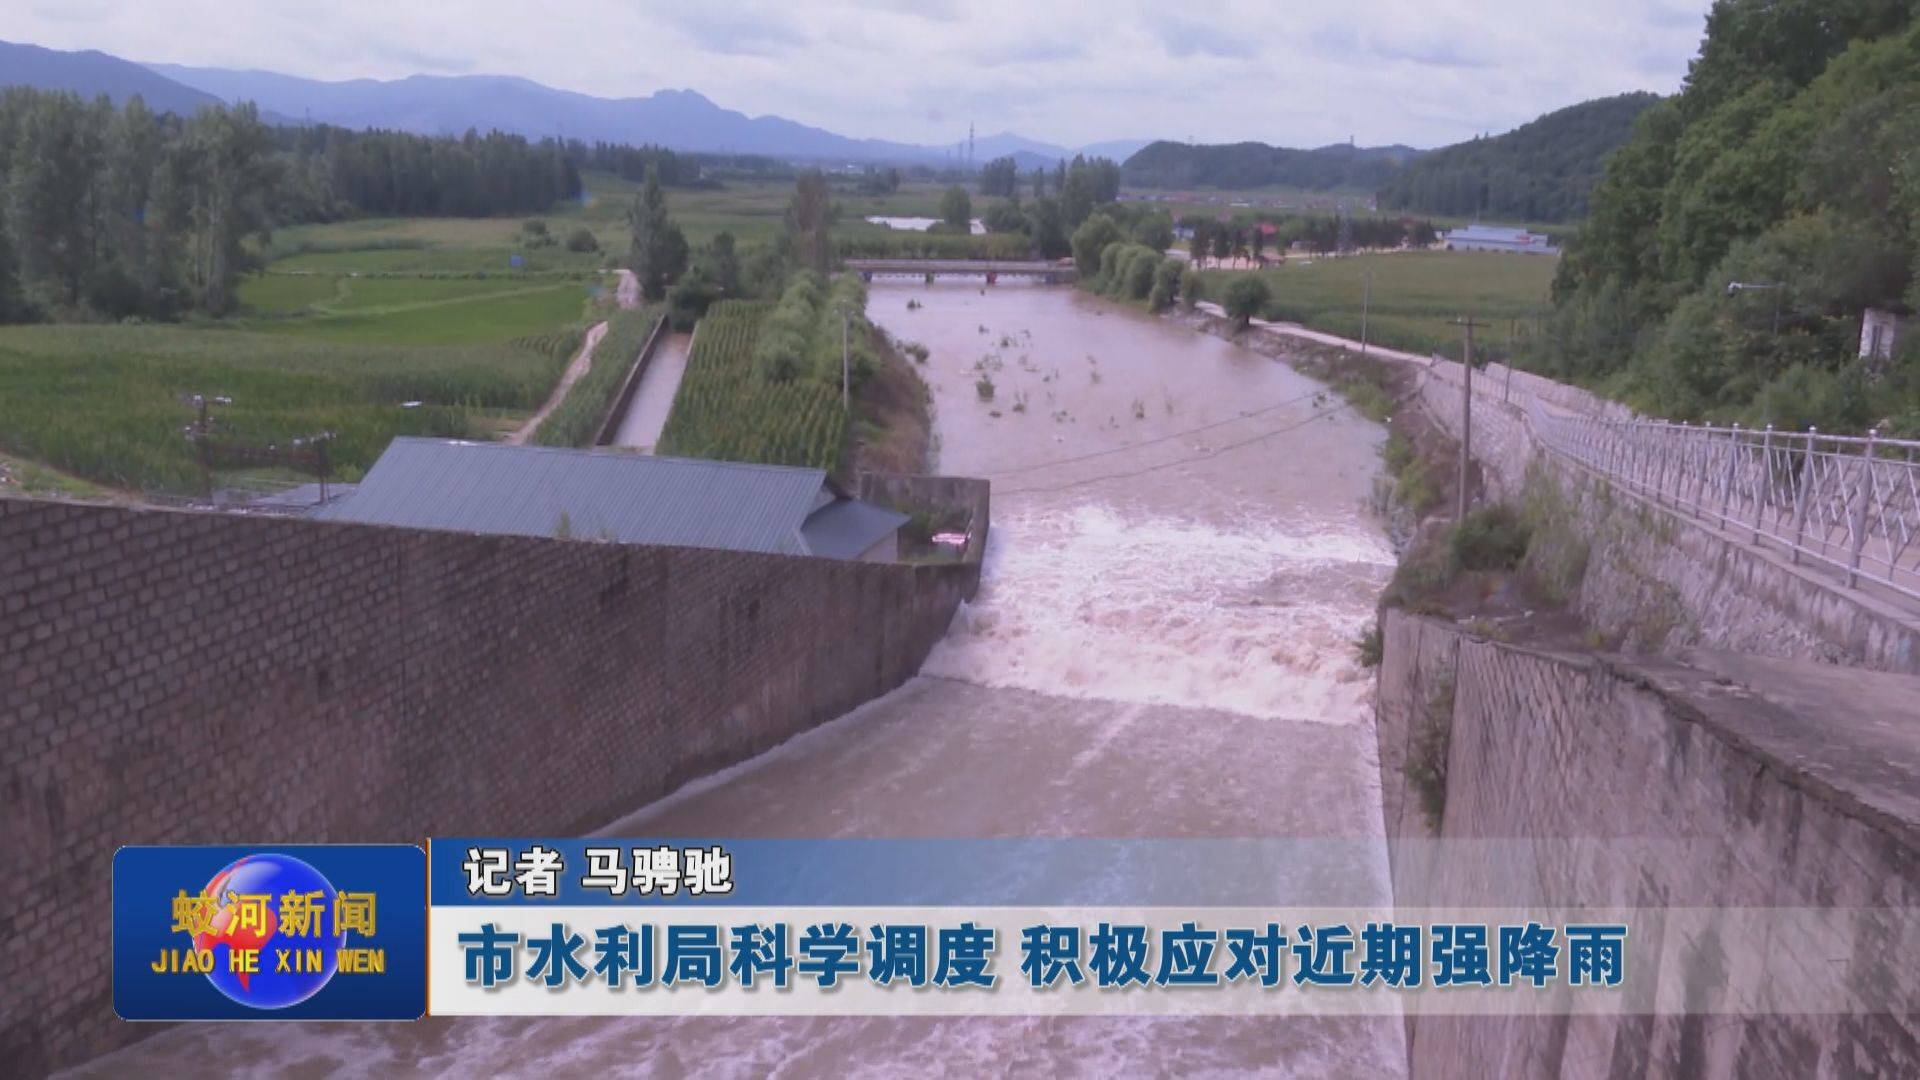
(402, 311)
(1416, 296)
(311, 352)
(754, 211)
(727, 412)
(110, 403)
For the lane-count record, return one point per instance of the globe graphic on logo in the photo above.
(311, 958)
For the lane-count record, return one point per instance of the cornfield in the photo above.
(725, 411)
(579, 416)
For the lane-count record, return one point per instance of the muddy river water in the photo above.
(1161, 648)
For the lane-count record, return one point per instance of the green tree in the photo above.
(1154, 228)
(1245, 298)
(719, 262)
(1048, 228)
(1089, 241)
(659, 252)
(1001, 177)
(689, 298)
(810, 216)
(1190, 287)
(1005, 216)
(1223, 243)
(13, 307)
(956, 210)
(228, 156)
(1202, 243)
(1166, 284)
(55, 159)
(135, 271)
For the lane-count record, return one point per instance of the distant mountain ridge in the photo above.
(1239, 166)
(92, 73)
(680, 119)
(1541, 171)
(450, 105)
(1544, 170)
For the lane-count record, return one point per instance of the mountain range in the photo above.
(450, 105)
(1239, 166)
(1542, 171)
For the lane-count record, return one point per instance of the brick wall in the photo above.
(173, 677)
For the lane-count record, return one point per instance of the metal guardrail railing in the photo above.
(1850, 505)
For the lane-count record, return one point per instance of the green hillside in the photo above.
(1543, 171)
(1241, 166)
(1786, 162)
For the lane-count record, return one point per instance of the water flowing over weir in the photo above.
(1161, 648)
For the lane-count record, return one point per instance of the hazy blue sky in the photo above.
(1305, 72)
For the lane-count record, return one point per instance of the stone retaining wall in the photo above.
(178, 677)
(1666, 774)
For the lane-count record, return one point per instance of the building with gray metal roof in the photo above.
(616, 497)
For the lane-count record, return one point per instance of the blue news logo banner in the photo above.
(271, 932)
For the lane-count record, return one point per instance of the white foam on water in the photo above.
(1256, 617)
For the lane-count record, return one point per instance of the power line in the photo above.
(1156, 441)
(1208, 456)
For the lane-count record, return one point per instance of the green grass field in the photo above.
(107, 403)
(1416, 296)
(406, 311)
(311, 353)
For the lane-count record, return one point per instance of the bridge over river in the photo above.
(1161, 648)
(931, 270)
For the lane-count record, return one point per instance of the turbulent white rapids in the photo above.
(1153, 543)
(1162, 648)
(1087, 602)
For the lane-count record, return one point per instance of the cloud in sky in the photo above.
(1423, 72)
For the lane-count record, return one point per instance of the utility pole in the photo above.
(1366, 308)
(1466, 418)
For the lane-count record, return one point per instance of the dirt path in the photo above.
(627, 295)
(1295, 330)
(578, 368)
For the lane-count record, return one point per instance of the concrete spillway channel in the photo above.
(1161, 648)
